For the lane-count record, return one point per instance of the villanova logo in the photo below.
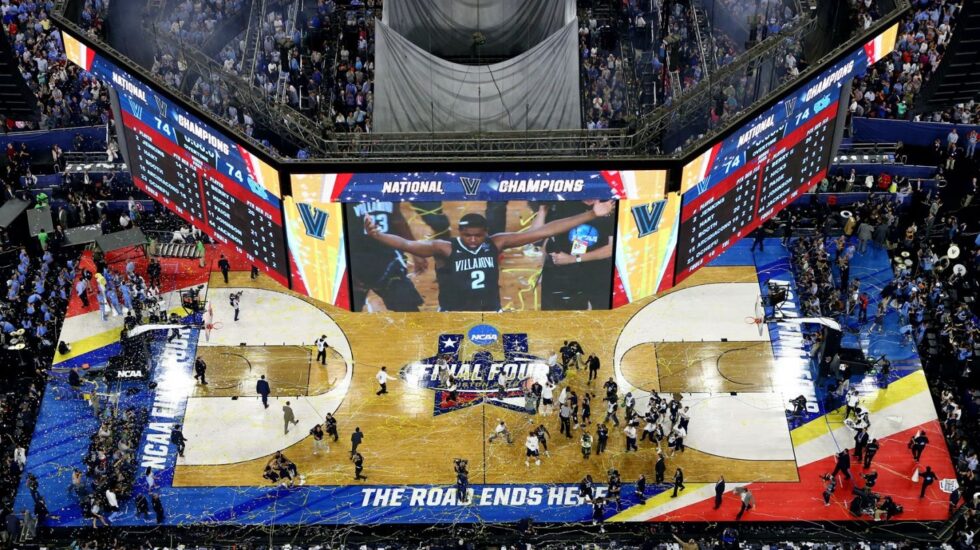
(497, 372)
(314, 220)
(647, 217)
(470, 185)
(135, 107)
(161, 106)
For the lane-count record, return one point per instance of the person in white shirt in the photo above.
(563, 396)
(501, 431)
(853, 400)
(20, 456)
(321, 349)
(382, 378)
(110, 498)
(630, 432)
(547, 397)
(531, 444)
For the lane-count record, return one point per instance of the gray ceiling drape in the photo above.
(417, 91)
(446, 27)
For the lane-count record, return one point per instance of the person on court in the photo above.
(378, 268)
(678, 482)
(224, 266)
(382, 378)
(200, 368)
(235, 300)
(330, 426)
(531, 449)
(471, 261)
(358, 461)
(719, 491)
(355, 440)
(178, 439)
(321, 349)
(262, 388)
(288, 417)
(319, 439)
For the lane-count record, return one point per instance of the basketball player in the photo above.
(472, 260)
(576, 261)
(376, 267)
(531, 448)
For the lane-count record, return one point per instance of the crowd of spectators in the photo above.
(933, 242)
(892, 85)
(93, 17)
(278, 54)
(603, 77)
(351, 96)
(38, 285)
(67, 96)
(769, 15)
(671, 542)
(936, 297)
(110, 465)
(193, 21)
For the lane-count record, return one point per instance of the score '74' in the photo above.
(236, 174)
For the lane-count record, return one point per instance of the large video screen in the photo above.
(481, 256)
(750, 176)
(315, 234)
(193, 169)
(646, 242)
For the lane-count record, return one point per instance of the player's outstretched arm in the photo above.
(424, 249)
(510, 240)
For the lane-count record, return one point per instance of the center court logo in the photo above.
(483, 335)
(460, 379)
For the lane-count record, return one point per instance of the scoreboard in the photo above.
(747, 178)
(193, 169)
(758, 182)
(661, 235)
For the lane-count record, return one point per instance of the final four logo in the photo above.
(487, 369)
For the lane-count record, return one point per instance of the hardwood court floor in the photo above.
(406, 444)
(233, 371)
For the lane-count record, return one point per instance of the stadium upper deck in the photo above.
(656, 79)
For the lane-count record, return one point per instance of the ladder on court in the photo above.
(176, 250)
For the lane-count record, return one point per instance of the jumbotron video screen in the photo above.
(204, 176)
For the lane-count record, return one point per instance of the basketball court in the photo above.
(704, 342)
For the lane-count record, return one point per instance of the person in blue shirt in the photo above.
(114, 301)
(100, 295)
(127, 297)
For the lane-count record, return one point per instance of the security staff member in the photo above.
(200, 367)
(262, 388)
(178, 439)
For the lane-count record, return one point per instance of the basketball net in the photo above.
(208, 322)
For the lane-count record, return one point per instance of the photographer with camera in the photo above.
(460, 465)
(235, 299)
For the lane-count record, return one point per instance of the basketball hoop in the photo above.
(209, 323)
(757, 321)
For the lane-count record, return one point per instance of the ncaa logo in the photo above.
(483, 335)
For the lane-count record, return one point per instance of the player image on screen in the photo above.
(382, 269)
(577, 264)
(471, 261)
